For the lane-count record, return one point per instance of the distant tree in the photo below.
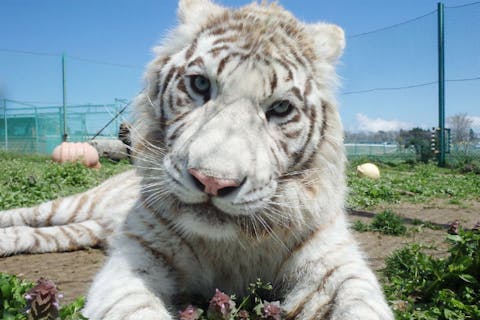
(472, 136)
(460, 126)
(420, 139)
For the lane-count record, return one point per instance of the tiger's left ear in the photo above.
(329, 40)
(195, 12)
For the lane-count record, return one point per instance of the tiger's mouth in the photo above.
(206, 210)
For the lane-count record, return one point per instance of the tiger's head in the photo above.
(237, 131)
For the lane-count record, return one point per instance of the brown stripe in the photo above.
(169, 77)
(229, 39)
(293, 134)
(175, 133)
(273, 82)
(80, 203)
(48, 238)
(299, 308)
(303, 242)
(24, 221)
(320, 141)
(216, 51)
(312, 118)
(95, 201)
(72, 245)
(284, 146)
(179, 102)
(191, 49)
(167, 260)
(170, 227)
(171, 106)
(298, 94)
(217, 31)
(308, 89)
(34, 219)
(295, 118)
(181, 86)
(197, 62)
(17, 237)
(297, 57)
(222, 64)
(85, 230)
(286, 67)
(333, 300)
(324, 121)
(36, 243)
(53, 211)
(277, 161)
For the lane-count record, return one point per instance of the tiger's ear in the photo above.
(194, 12)
(329, 40)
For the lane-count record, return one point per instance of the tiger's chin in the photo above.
(213, 219)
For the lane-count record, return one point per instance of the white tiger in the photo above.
(239, 175)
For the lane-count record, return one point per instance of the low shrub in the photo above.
(385, 222)
(424, 287)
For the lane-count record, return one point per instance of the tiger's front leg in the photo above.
(329, 279)
(133, 286)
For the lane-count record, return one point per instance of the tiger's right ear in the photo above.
(329, 40)
(195, 12)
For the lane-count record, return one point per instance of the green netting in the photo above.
(32, 129)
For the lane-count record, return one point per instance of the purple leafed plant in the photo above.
(223, 307)
(42, 300)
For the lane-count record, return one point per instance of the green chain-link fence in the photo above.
(31, 129)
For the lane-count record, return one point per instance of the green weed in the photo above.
(420, 183)
(424, 287)
(386, 222)
(30, 180)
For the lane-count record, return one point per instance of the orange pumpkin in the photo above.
(76, 151)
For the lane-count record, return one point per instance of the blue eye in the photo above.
(279, 109)
(200, 85)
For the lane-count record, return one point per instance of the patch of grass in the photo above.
(420, 286)
(12, 291)
(389, 223)
(360, 226)
(33, 179)
(419, 183)
(386, 222)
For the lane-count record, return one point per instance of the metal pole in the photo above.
(441, 84)
(65, 134)
(37, 142)
(6, 123)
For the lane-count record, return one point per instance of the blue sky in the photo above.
(122, 33)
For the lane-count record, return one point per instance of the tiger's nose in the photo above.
(211, 185)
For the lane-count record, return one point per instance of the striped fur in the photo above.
(70, 223)
(244, 98)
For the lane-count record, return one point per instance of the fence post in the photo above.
(6, 123)
(36, 130)
(64, 96)
(441, 84)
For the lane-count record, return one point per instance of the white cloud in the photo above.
(373, 125)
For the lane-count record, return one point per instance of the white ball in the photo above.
(368, 170)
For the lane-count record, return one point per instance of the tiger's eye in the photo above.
(279, 109)
(200, 84)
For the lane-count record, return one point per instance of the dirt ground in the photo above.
(74, 271)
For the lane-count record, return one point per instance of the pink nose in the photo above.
(212, 185)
